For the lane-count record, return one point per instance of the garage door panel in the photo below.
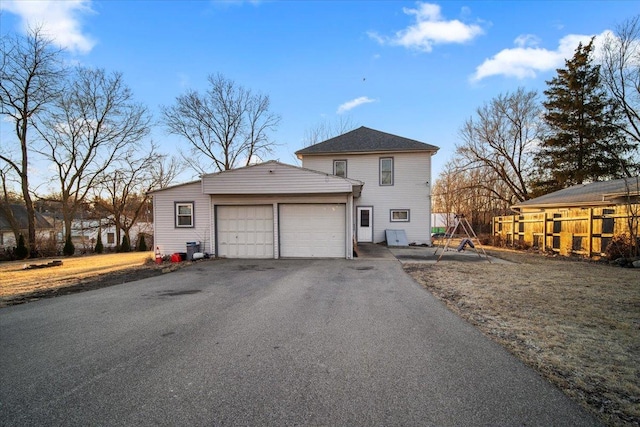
(312, 230)
(245, 231)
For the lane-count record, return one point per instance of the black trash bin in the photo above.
(192, 248)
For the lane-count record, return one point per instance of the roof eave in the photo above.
(565, 205)
(300, 155)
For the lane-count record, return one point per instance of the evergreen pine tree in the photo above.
(584, 144)
(69, 248)
(99, 246)
(21, 250)
(125, 246)
(142, 245)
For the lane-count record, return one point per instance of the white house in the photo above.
(396, 172)
(275, 210)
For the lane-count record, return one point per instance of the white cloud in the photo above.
(60, 20)
(430, 29)
(526, 60)
(350, 105)
(525, 40)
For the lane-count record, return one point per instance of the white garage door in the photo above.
(245, 231)
(310, 231)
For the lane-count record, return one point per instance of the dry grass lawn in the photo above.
(16, 281)
(576, 322)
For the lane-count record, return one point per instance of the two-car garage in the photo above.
(269, 210)
(290, 230)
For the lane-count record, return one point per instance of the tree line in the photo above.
(87, 126)
(585, 129)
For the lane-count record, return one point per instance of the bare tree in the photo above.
(226, 127)
(94, 124)
(456, 190)
(123, 190)
(326, 129)
(620, 71)
(165, 171)
(502, 139)
(31, 72)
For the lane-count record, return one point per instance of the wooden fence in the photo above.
(580, 231)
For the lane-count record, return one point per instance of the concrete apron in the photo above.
(423, 254)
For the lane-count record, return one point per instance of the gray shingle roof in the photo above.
(20, 213)
(364, 140)
(595, 193)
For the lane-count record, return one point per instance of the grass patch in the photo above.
(16, 281)
(576, 322)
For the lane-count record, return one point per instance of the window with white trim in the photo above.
(399, 215)
(340, 168)
(184, 214)
(386, 171)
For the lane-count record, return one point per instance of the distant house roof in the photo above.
(592, 194)
(363, 140)
(20, 213)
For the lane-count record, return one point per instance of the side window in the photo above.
(399, 215)
(340, 168)
(184, 214)
(386, 171)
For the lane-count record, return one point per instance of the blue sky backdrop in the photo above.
(415, 69)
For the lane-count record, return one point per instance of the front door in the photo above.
(364, 223)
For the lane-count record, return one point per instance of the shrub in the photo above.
(99, 246)
(126, 245)
(21, 251)
(142, 245)
(48, 248)
(69, 248)
(620, 246)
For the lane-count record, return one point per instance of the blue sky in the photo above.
(415, 69)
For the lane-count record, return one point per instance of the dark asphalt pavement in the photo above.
(275, 342)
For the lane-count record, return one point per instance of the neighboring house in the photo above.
(275, 210)
(396, 172)
(44, 230)
(581, 219)
(84, 233)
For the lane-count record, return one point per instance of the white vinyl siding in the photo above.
(274, 178)
(312, 230)
(169, 238)
(410, 190)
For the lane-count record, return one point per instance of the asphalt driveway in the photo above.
(231, 342)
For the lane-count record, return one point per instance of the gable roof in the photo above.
(273, 177)
(593, 194)
(365, 140)
(20, 213)
(169, 187)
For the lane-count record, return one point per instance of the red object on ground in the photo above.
(176, 258)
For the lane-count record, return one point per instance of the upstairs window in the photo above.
(184, 214)
(386, 171)
(340, 168)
